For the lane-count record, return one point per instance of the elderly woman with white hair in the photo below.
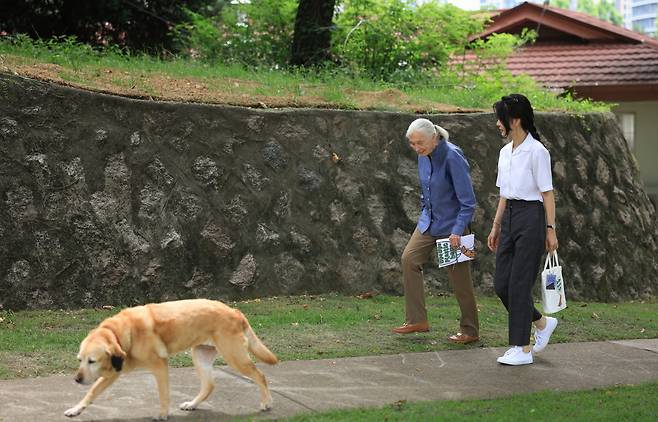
(448, 204)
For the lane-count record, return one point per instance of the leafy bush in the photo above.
(497, 47)
(140, 25)
(393, 40)
(389, 40)
(62, 50)
(254, 34)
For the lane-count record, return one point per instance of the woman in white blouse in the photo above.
(524, 226)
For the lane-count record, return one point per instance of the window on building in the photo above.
(647, 9)
(645, 25)
(627, 123)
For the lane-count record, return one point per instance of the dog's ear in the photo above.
(117, 355)
(117, 362)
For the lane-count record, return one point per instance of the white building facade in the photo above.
(641, 15)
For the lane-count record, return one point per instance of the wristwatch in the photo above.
(550, 226)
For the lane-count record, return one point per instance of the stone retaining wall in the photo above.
(107, 200)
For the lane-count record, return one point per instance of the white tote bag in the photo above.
(553, 298)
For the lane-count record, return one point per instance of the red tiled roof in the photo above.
(573, 50)
(568, 22)
(605, 25)
(568, 65)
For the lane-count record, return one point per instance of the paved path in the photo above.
(306, 386)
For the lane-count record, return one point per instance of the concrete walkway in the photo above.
(306, 386)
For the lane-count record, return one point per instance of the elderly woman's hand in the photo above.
(455, 241)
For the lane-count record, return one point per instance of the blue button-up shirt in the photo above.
(447, 197)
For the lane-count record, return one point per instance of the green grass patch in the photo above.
(625, 403)
(34, 343)
(142, 75)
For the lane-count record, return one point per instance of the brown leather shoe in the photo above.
(461, 338)
(421, 327)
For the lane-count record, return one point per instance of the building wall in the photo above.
(643, 16)
(645, 148)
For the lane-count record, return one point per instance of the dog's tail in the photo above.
(256, 347)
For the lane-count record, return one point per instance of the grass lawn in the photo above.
(627, 403)
(177, 79)
(35, 343)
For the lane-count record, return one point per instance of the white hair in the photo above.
(427, 128)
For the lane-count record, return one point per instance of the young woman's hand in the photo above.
(551, 240)
(492, 240)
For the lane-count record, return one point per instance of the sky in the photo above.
(466, 4)
(462, 4)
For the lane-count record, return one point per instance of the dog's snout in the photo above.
(78, 378)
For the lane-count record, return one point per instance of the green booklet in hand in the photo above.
(446, 255)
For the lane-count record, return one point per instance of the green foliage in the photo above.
(480, 83)
(140, 25)
(391, 40)
(619, 403)
(481, 90)
(606, 10)
(603, 9)
(340, 87)
(63, 50)
(497, 47)
(258, 33)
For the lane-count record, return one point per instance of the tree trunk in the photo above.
(312, 38)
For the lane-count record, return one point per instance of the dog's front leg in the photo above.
(99, 386)
(161, 373)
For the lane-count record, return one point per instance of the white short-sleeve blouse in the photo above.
(525, 172)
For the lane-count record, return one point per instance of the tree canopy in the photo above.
(603, 9)
(136, 24)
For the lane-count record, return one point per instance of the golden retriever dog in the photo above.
(145, 337)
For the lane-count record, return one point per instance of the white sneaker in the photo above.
(543, 336)
(515, 356)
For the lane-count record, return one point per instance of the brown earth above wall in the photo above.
(235, 92)
(109, 200)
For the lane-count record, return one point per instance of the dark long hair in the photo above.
(516, 106)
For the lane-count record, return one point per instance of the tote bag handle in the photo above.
(551, 260)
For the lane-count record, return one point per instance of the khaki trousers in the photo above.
(418, 252)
